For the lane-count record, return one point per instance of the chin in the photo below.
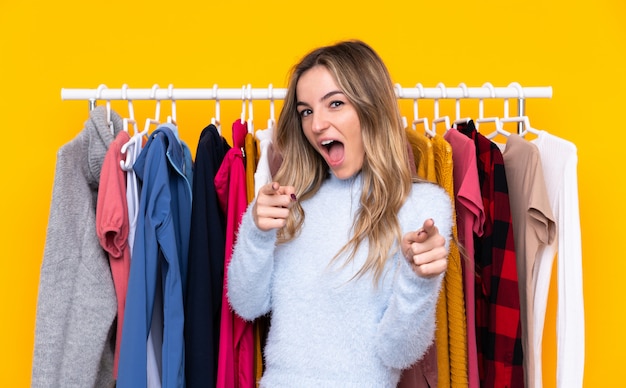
(344, 173)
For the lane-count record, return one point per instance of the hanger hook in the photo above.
(131, 111)
(92, 101)
(170, 95)
(465, 90)
(400, 94)
(416, 118)
(489, 86)
(270, 95)
(216, 119)
(421, 89)
(101, 87)
(399, 91)
(243, 104)
(442, 87)
(458, 101)
(157, 112)
(415, 112)
(481, 102)
(108, 106)
(124, 91)
(518, 87)
(250, 110)
(520, 105)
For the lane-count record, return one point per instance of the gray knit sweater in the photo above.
(76, 306)
(328, 330)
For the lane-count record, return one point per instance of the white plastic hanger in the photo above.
(131, 112)
(215, 120)
(156, 121)
(496, 120)
(136, 141)
(171, 119)
(108, 107)
(527, 128)
(271, 122)
(416, 118)
(400, 94)
(457, 118)
(437, 119)
(243, 104)
(250, 110)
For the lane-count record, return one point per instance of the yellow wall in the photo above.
(577, 47)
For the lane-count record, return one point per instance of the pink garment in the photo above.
(235, 367)
(470, 217)
(112, 227)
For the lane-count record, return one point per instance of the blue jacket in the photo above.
(159, 259)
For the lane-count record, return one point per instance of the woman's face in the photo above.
(330, 122)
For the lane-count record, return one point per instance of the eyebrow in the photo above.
(325, 97)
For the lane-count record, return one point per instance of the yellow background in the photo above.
(577, 47)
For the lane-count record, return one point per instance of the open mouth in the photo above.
(335, 151)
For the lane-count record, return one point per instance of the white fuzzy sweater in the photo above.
(326, 329)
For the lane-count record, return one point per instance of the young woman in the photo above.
(343, 248)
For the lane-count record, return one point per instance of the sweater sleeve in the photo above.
(407, 327)
(250, 269)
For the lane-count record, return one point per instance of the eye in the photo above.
(336, 103)
(305, 112)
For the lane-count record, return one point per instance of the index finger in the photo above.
(429, 227)
(270, 188)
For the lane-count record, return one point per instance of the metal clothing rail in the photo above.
(487, 91)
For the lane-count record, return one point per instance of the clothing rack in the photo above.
(513, 90)
(247, 93)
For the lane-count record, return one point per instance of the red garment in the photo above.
(112, 226)
(498, 323)
(235, 367)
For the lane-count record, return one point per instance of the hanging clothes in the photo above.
(236, 350)
(159, 259)
(534, 227)
(206, 264)
(262, 176)
(423, 154)
(76, 306)
(454, 303)
(112, 226)
(133, 150)
(559, 160)
(498, 324)
(424, 373)
(470, 218)
(263, 173)
(251, 156)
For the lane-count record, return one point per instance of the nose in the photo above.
(319, 122)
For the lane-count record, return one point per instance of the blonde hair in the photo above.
(364, 79)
